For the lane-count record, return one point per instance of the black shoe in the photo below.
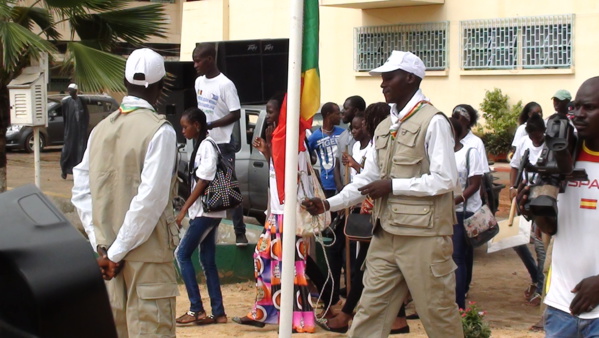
(64, 176)
(405, 329)
(241, 240)
(413, 316)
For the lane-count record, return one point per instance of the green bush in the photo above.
(501, 121)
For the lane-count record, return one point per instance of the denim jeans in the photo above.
(561, 324)
(460, 252)
(202, 231)
(236, 214)
(535, 269)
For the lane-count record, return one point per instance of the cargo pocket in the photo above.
(444, 268)
(156, 308)
(411, 214)
(407, 133)
(406, 166)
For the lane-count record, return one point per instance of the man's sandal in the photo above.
(191, 317)
(212, 320)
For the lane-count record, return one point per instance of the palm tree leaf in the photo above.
(6, 8)
(27, 16)
(18, 42)
(132, 25)
(97, 5)
(95, 70)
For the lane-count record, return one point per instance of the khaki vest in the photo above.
(406, 157)
(116, 159)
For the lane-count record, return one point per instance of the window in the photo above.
(374, 44)
(517, 43)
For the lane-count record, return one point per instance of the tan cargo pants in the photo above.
(396, 264)
(143, 298)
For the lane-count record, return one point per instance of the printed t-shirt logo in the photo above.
(586, 203)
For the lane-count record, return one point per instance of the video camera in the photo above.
(554, 168)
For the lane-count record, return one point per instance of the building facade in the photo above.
(528, 49)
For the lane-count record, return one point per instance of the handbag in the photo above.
(482, 226)
(223, 191)
(308, 225)
(358, 227)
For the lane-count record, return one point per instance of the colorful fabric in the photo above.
(310, 94)
(267, 270)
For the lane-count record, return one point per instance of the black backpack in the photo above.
(490, 191)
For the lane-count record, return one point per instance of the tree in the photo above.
(28, 31)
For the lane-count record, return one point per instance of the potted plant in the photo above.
(501, 120)
(473, 322)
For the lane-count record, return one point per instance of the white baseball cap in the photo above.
(402, 60)
(144, 67)
(73, 86)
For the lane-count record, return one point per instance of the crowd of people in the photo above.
(416, 171)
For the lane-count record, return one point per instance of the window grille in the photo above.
(514, 43)
(374, 44)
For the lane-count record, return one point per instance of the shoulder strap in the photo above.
(467, 174)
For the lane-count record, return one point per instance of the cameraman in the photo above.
(574, 287)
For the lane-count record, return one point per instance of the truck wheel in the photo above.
(28, 144)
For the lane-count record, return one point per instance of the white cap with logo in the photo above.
(405, 61)
(144, 67)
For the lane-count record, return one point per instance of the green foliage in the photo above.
(501, 121)
(473, 322)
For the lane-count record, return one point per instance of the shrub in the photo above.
(473, 322)
(501, 121)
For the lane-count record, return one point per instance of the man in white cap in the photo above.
(123, 191)
(411, 177)
(561, 99)
(76, 120)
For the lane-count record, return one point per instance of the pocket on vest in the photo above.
(413, 214)
(406, 166)
(172, 230)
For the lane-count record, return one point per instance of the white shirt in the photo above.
(575, 254)
(278, 208)
(476, 168)
(533, 156)
(146, 207)
(359, 156)
(519, 135)
(217, 97)
(473, 141)
(205, 161)
(438, 143)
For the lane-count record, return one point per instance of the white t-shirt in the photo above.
(575, 253)
(519, 135)
(476, 168)
(359, 156)
(278, 208)
(473, 141)
(533, 156)
(205, 161)
(217, 97)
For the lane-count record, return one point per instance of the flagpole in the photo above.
(291, 152)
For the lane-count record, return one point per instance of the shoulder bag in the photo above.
(308, 225)
(482, 226)
(223, 192)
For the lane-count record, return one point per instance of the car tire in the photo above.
(28, 144)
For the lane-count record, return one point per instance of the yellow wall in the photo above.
(256, 19)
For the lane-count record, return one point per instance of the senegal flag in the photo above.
(310, 94)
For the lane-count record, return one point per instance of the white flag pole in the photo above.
(291, 152)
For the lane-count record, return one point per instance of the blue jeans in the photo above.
(535, 269)
(202, 231)
(236, 214)
(561, 324)
(460, 252)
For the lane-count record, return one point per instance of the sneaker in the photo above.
(241, 240)
(191, 317)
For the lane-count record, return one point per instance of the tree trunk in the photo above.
(4, 123)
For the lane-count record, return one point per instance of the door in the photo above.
(55, 130)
